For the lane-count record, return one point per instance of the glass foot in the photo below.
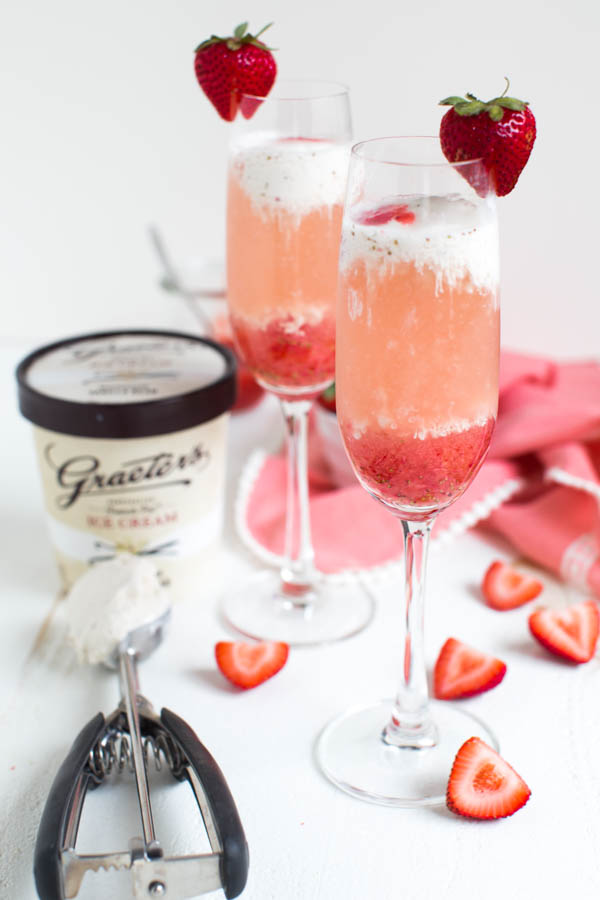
(258, 610)
(352, 755)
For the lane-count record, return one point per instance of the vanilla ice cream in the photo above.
(108, 601)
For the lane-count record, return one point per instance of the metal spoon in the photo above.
(173, 283)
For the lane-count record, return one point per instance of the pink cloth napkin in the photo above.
(539, 486)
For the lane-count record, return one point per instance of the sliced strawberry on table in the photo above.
(462, 671)
(250, 664)
(482, 785)
(234, 72)
(571, 633)
(500, 132)
(504, 587)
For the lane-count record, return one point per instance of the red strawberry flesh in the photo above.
(249, 105)
(400, 212)
(482, 785)
(250, 664)
(462, 671)
(504, 587)
(570, 633)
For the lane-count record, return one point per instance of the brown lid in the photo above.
(126, 384)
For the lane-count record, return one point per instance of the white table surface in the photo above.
(308, 841)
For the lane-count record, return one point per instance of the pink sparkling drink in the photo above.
(288, 168)
(284, 215)
(417, 349)
(418, 346)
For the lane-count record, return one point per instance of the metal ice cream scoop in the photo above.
(130, 736)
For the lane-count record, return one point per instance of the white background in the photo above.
(105, 131)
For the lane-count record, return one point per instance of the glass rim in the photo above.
(356, 152)
(330, 89)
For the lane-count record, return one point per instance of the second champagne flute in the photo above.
(418, 332)
(287, 181)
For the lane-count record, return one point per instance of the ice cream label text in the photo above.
(83, 474)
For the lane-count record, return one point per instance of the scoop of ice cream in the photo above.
(111, 599)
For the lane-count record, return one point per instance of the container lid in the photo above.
(126, 384)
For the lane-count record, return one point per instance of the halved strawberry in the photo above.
(381, 215)
(571, 633)
(504, 587)
(462, 671)
(482, 785)
(249, 664)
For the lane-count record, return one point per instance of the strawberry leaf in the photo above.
(511, 103)
(240, 31)
(213, 39)
(451, 101)
(470, 105)
(469, 108)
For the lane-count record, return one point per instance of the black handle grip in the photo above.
(234, 864)
(47, 867)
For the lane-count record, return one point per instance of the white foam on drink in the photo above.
(402, 424)
(455, 427)
(291, 320)
(451, 236)
(292, 175)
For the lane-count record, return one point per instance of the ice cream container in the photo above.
(130, 429)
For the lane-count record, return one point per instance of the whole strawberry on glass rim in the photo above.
(234, 71)
(501, 132)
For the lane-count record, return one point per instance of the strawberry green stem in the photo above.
(470, 105)
(240, 36)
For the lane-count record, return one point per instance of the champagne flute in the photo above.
(287, 181)
(417, 390)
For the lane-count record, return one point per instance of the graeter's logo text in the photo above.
(83, 475)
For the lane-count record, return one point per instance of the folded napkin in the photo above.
(539, 486)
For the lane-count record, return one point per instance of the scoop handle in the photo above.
(47, 866)
(234, 861)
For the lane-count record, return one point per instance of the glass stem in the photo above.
(297, 573)
(410, 724)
